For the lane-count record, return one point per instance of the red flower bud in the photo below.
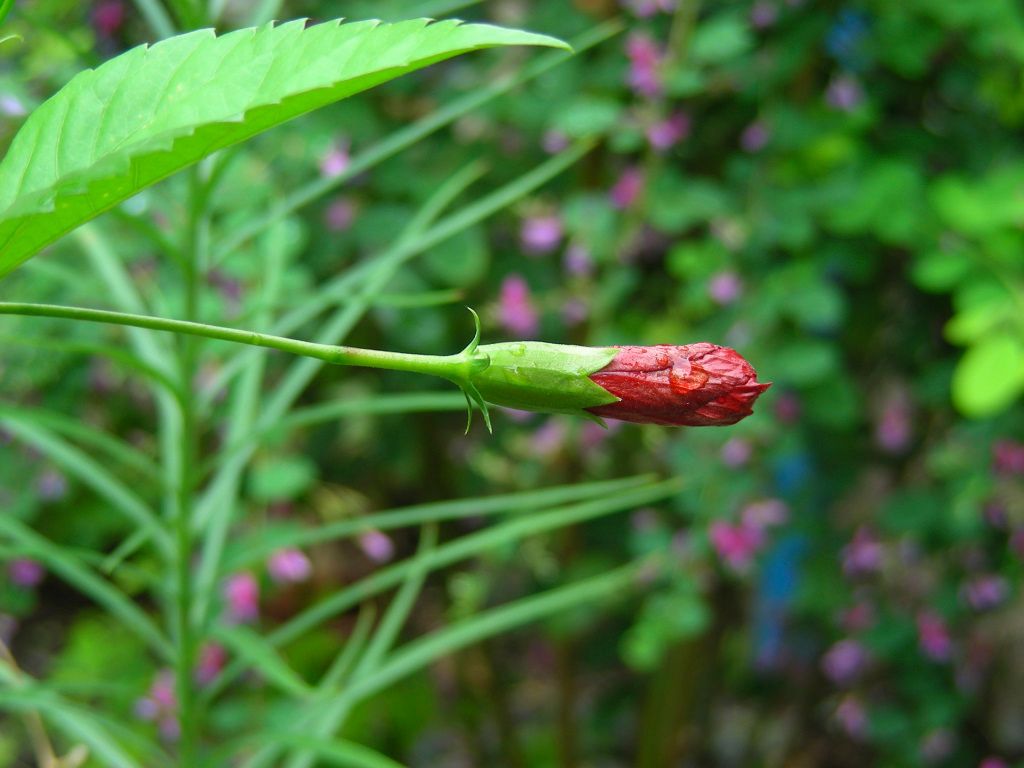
(693, 385)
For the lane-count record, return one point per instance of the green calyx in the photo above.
(532, 376)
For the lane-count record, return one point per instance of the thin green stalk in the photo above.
(445, 366)
(188, 449)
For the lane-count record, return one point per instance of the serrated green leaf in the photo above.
(152, 111)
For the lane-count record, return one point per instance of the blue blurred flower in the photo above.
(846, 37)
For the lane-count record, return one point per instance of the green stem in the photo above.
(451, 367)
(188, 448)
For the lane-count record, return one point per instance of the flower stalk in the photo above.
(689, 385)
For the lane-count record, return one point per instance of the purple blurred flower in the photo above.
(548, 438)
(554, 142)
(289, 566)
(337, 159)
(575, 311)
(933, 636)
(763, 14)
(765, 514)
(11, 106)
(212, 658)
(788, 408)
(1008, 457)
(985, 592)
(26, 572)
(736, 544)
(108, 17)
(852, 717)
(937, 745)
(844, 93)
(644, 63)
(242, 595)
(541, 234)
(665, 134)
(646, 8)
(339, 214)
(736, 452)
(578, 261)
(8, 626)
(593, 436)
(755, 137)
(51, 485)
(844, 662)
(993, 762)
(893, 429)
(377, 546)
(1017, 542)
(994, 514)
(515, 307)
(858, 617)
(627, 188)
(725, 287)
(160, 705)
(863, 555)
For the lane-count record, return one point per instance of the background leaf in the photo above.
(154, 110)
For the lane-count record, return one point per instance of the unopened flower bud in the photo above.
(692, 385)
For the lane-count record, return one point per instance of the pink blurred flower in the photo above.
(665, 134)
(212, 658)
(844, 661)
(933, 636)
(844, 93)
(108, 17)
(377, 546)
(242, 595)
(736, 452)
(725, 287)
(863, 555)
(515, 307)
(893, 429)
(737, 544)
(541, 234)
(645, 59)
(993, 762)
(339, 214)
(26, 572)
(337, 159)
(289, 566)
(1008, 457)
(852, 717)
(578, 261)
(627, 189)
(160, 705)
(755, 137)
(983, 593)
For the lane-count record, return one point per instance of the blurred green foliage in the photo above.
(836, 189)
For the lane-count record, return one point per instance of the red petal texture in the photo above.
(693, 385)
